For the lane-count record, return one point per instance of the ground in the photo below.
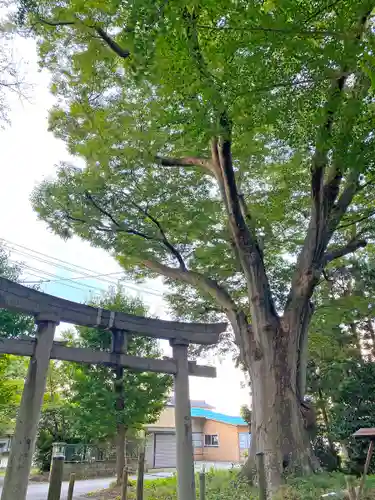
(38, 491)
(221, 485)
(227, 484)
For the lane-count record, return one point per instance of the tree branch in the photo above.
(195, 279)
(118, 226)
(336, 253)
(360, 219)
(102, 210)
(188, 161)
(342, 204)
(56, 23)
(324, 194)
(123, 53)
(325, 215)
(172, 249)
(320, 157)
(112, 44)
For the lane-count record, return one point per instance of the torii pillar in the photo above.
(184, 444)
(23, 444)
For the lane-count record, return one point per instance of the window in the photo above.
(245, 440)
(197, 440)
(211, 440)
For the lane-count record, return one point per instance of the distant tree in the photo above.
(13, 324)
(353, 408)
(12, 368)
(11, 80)
(12, 373)
(341, 341)
(245, 413)
(107, 402)
(56, 422)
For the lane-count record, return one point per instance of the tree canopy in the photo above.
(158, 88)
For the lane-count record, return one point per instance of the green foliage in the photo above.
(12, 325)
(92, 395)
(354, 408)
(269, 66)
(80, 401)
(225, 485)
(12, 373)
(327, 455)
(12, 369)
(177, 75)
(245, 413)
(56, 423)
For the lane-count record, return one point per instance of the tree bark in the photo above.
(278, 428)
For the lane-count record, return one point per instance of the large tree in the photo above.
(228, 147)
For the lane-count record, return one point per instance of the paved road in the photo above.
(39, 491)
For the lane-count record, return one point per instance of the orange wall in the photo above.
(228, 449)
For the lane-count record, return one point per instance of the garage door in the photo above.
(165, 450)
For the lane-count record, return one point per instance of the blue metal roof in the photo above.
(219, 417)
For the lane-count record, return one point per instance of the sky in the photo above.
(29, 154)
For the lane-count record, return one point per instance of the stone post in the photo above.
(185, 453)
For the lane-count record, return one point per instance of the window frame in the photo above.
(211, 445)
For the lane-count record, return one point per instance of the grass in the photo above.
(226, 485)
(33, 471)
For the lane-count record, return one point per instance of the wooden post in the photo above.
(23, 444)
(261, 476)
(202, 485)
(365, 470)
(141, 474)
(55, 479)
(124, 485)
(184, 445)
(72, 480)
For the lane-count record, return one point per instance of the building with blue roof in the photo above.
(217, 437)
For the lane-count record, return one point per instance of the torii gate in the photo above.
(48, 312)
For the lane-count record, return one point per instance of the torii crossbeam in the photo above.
(49, 311)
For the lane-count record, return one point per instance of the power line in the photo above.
(44, 259)
(68, 266)
(60, 277)
(72, 278)
(63, 284)
(59, 263)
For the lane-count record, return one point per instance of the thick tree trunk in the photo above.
(278, 427)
